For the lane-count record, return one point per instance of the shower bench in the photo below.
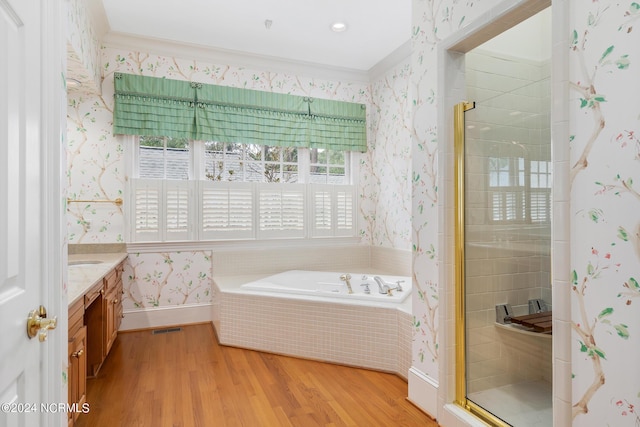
(539, 322)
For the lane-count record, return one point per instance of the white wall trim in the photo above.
(166, 316)
(398, 56)
(423, 391)
(234, 245)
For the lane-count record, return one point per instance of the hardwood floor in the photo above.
(187, 379)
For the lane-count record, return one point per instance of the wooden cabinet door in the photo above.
(77, 377)
(118, 311)
(109, 320)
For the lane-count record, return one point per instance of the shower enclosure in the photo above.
(503, 234)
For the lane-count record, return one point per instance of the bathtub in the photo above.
(310, 314)
(328, 284)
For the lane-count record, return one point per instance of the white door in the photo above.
(27, 376)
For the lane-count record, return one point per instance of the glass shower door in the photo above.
(504, 247)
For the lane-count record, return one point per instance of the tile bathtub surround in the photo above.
(357, 335)
(391, 261)
(277, 259)
(328, 258)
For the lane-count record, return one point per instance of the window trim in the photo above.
(196, 235)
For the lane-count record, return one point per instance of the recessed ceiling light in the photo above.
(338, 27)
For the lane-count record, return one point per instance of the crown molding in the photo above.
(98, 18)
(398, 56)
(231, 57)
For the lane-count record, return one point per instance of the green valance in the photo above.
(164, 107)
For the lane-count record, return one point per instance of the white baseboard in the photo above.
(423, 392)
(165, 316)
(454, 415)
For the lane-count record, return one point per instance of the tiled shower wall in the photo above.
(506, 263)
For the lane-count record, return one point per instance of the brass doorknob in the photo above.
(38, 324)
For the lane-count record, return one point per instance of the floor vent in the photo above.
(165, 331)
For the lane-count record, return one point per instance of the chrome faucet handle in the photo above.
(366, 288)
(398, 286)
(365, 277)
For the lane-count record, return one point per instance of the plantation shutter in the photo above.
(177, 211)
(281, 210)
(321, 214)
(345, 212)
(333, 210)
(146, 209)
(540, 205)
(226, 210)
(161, 210)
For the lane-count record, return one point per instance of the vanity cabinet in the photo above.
(77, 373)
(103, 313)
(112, 307)
(94, 320)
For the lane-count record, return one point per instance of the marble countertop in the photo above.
(89, 269)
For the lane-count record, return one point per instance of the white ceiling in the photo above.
(300, 30)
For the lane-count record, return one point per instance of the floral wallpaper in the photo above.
(163, 279)
(433, 20)
(385, 170)
(83, 52)
(604, 122)
(605, 200)
(96, 159)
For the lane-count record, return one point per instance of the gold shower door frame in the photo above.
(459, 238)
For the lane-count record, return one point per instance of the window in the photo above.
(327, 166)
(250, 163)
(163, 158)
(519, 190)
(204, 190)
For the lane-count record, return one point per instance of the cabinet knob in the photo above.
(78, 353)
(115, 301)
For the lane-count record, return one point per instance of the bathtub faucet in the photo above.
(345, 278)
(383, 288)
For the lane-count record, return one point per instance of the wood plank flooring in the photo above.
(186, 378)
